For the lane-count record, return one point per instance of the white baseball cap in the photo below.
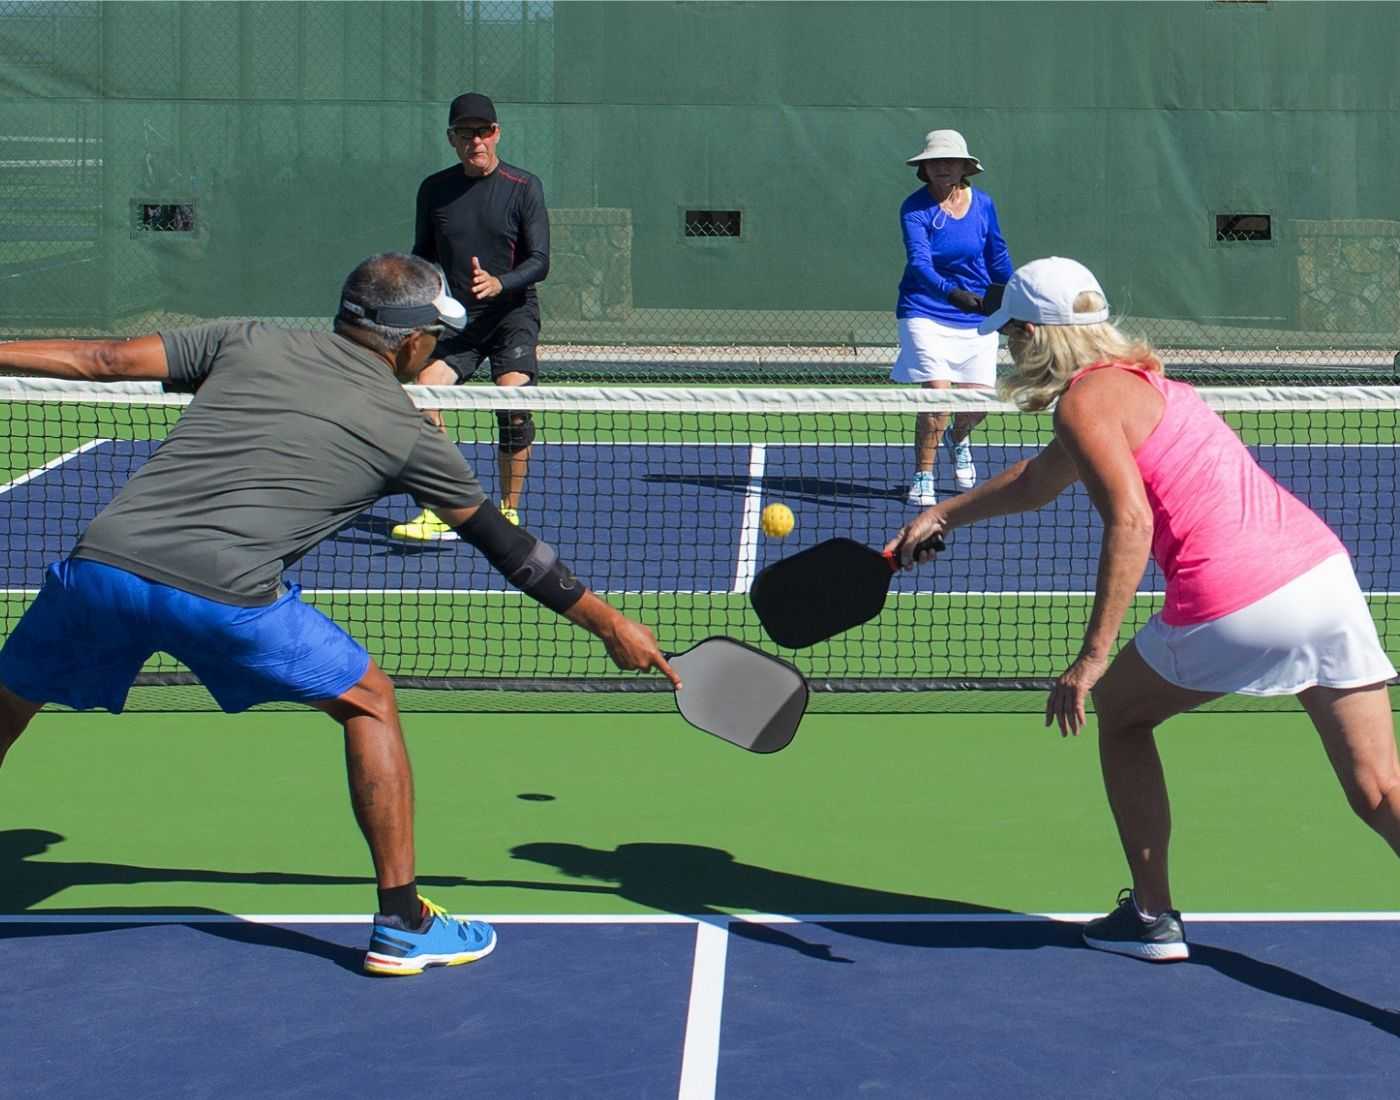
(1043, 292)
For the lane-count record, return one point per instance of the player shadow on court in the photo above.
(699, 881)
(26, 882)
(813, 490)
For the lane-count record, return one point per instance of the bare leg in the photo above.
(436, 373)
(381, 781)
(928, 432)
(15, 714)
(1358, 732)
(1131, 701)
(512, 466)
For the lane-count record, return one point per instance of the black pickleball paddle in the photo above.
(740, 694)
(826, 589)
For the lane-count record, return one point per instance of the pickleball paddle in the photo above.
(740, 694)
(826, 589)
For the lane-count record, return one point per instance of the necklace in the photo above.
(947, 207)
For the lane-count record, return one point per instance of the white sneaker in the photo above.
(964, 472)
(921, 492)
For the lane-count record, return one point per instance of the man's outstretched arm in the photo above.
(141, 358)
(534, 567)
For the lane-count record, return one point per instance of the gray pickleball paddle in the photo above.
(740, 694)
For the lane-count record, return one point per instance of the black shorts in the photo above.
(509, 341)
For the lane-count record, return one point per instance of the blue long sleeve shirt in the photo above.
(967, 253)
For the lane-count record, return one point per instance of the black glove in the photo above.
(965, 300)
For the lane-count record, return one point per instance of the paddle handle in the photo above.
(934, 542)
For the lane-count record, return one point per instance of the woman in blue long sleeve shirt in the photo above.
(954, 251)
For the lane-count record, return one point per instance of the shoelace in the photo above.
(438, 911)
(433, 909)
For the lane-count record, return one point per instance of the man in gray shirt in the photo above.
(290, 434)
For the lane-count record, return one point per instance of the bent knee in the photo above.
(1369, 789)
(380, 690)
(1118, 713)
(372, 696)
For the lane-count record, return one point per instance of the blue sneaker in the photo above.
(443, 941)
(923, 491)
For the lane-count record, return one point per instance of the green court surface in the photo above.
(862, 814)
(637, 813)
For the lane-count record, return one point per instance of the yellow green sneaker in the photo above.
(424, 527)
(512, 515)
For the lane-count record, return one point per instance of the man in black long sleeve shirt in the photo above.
(484, 221)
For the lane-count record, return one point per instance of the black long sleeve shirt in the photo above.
(499, 218)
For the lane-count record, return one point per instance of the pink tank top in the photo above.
(1224, 533)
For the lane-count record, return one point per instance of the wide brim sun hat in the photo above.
(942, 144)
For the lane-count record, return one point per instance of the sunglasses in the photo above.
(466, 133)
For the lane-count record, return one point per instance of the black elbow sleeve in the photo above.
(530, 564)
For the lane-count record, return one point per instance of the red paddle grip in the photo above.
(934, 543)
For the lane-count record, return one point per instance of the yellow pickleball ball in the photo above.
(777, 521)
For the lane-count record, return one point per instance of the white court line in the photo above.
(700, 1055)
(47, 466)
(748, 530)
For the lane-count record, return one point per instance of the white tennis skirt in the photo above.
(1314, 631)
(932, 352)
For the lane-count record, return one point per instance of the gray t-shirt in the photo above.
(290, 435)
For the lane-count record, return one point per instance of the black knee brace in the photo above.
(517, 429)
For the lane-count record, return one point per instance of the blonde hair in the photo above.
(1044, 362)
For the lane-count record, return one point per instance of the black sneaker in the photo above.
(1161, 939)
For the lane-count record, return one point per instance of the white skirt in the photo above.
(932, 352)
(1314, 631)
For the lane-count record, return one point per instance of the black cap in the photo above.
(471, 105)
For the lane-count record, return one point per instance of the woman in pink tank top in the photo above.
(1261, 596)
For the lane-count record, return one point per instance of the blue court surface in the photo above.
(994, 1006)
(682, 517)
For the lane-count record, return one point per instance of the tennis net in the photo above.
(654, 495)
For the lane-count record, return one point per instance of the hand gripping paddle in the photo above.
(741, 694)
(991, 301)
(827, 588)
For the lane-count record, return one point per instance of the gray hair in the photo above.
(388, 279)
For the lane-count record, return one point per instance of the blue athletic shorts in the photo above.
(92, 627)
